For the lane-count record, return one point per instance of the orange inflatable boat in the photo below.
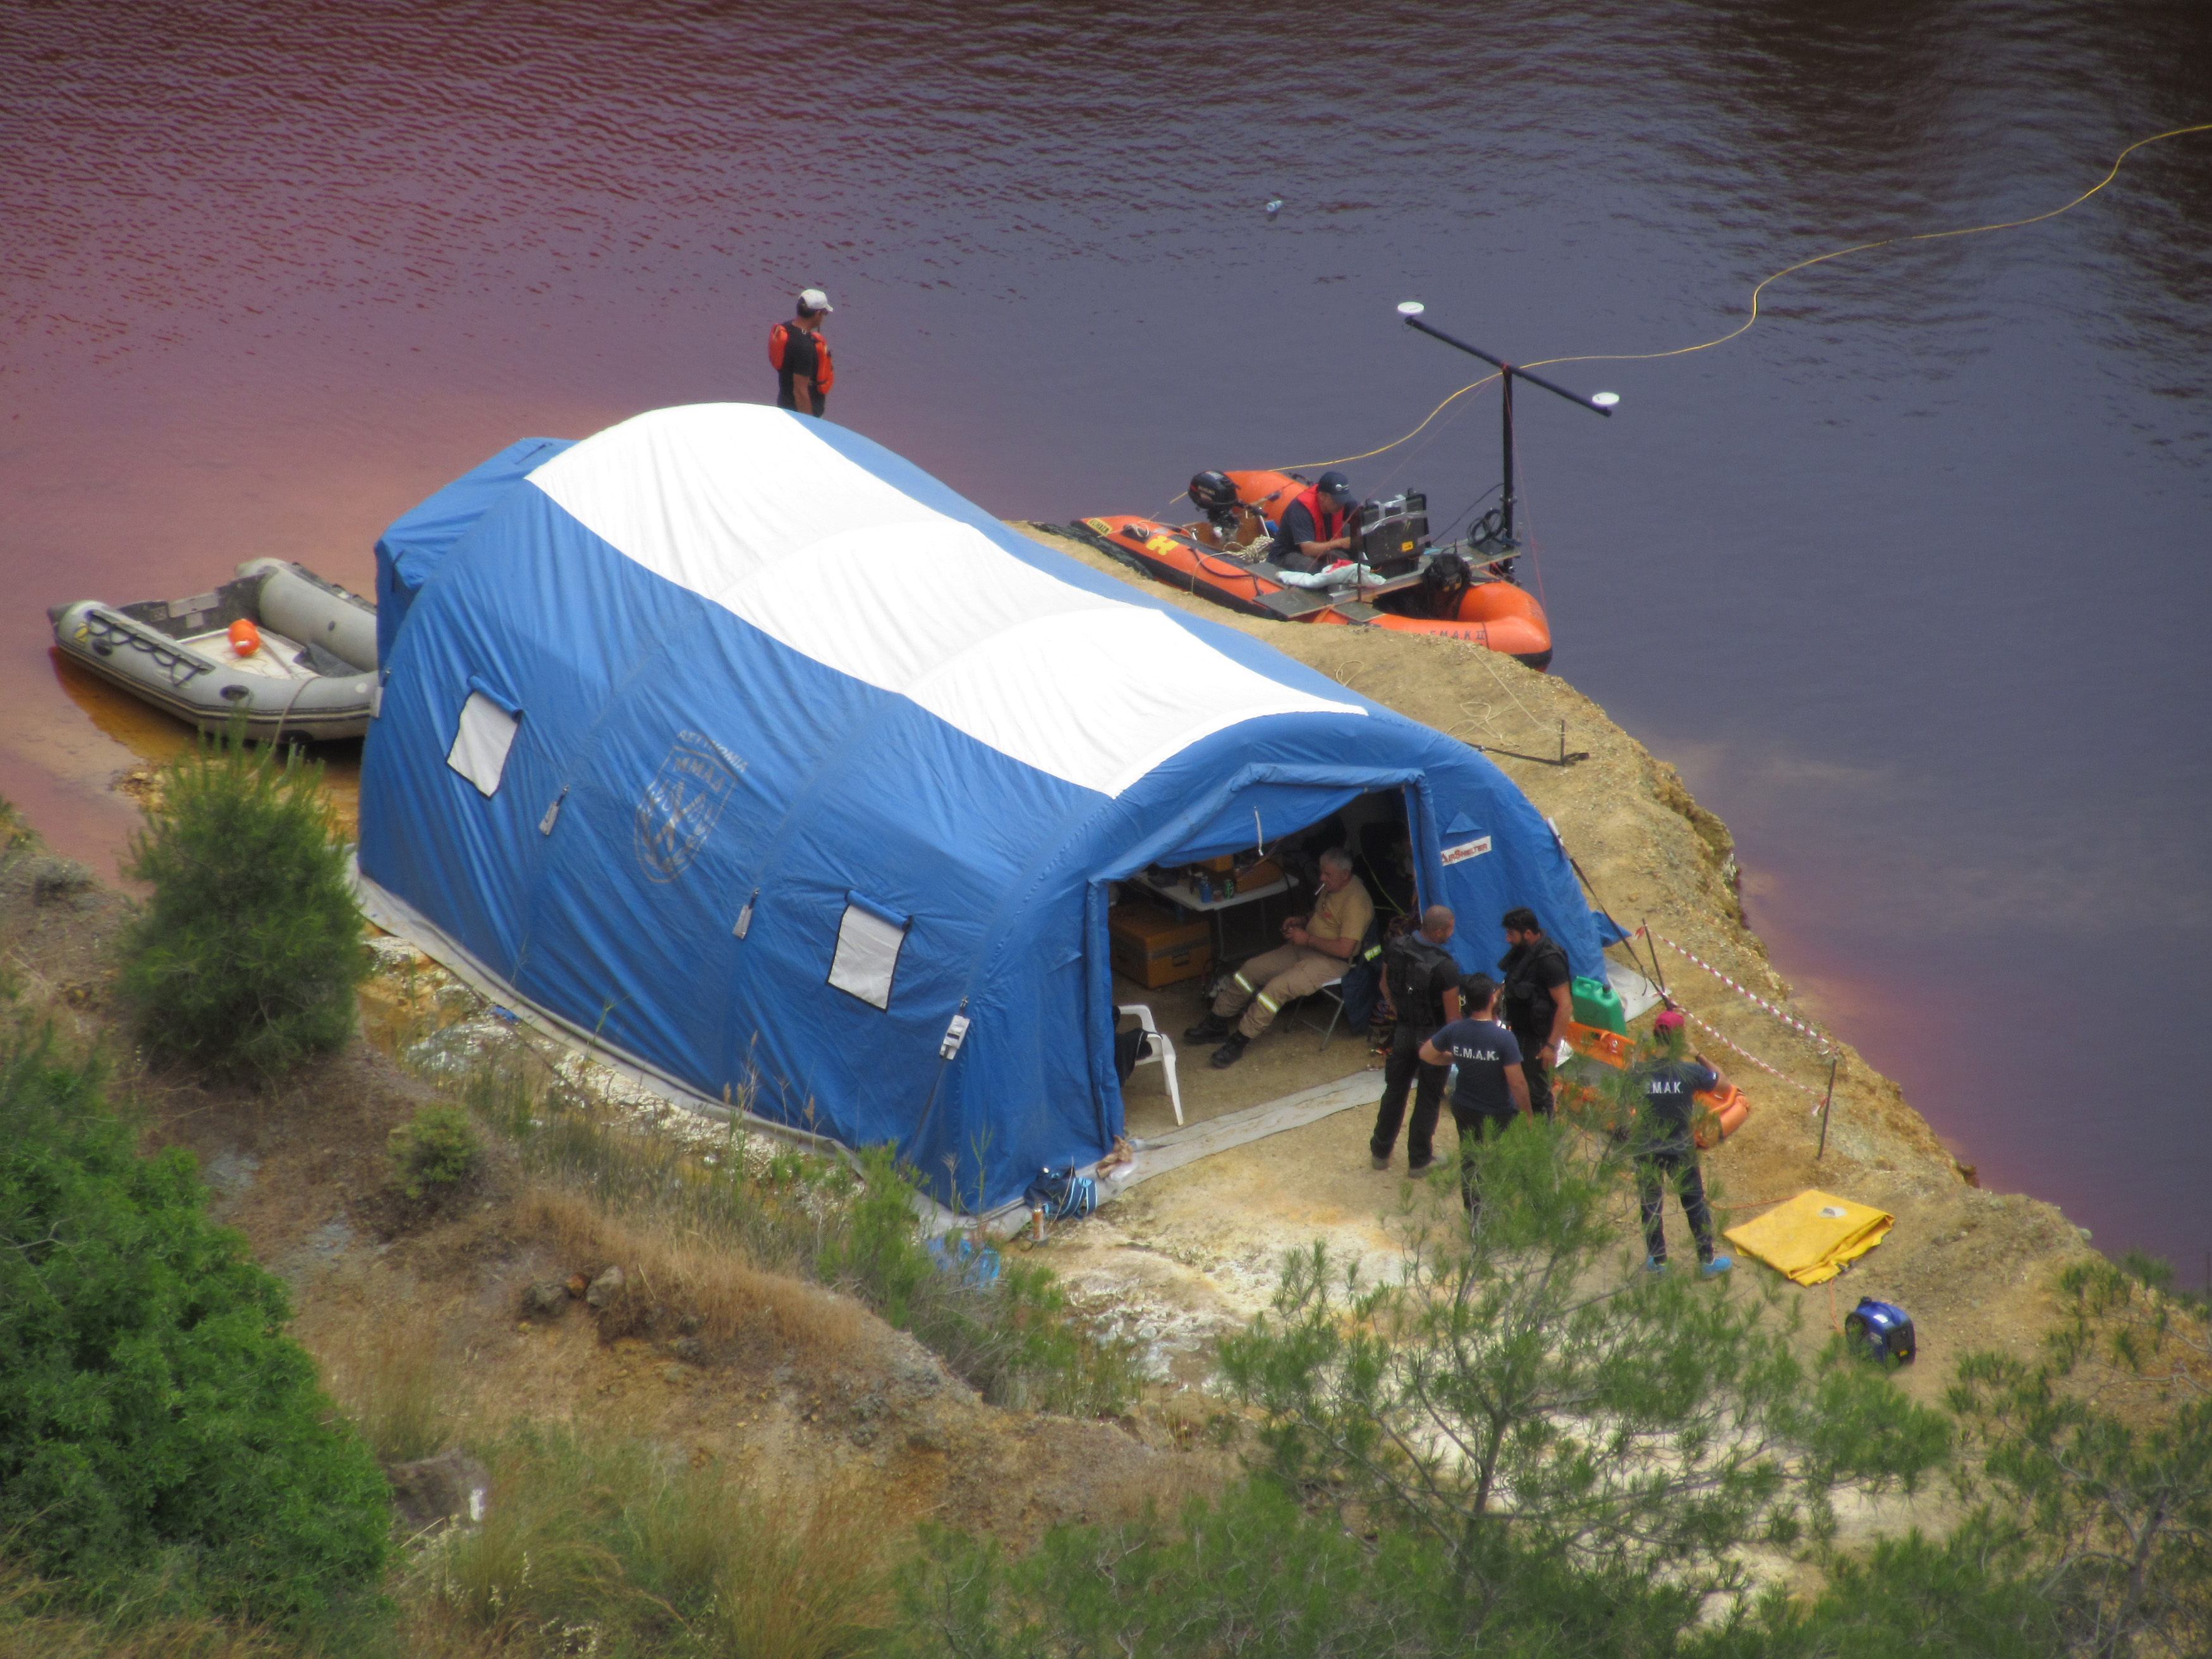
(1400, 582)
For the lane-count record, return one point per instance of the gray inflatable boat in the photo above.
(313, 676)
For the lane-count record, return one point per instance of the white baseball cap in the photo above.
(813, 299)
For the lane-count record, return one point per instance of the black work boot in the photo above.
(1229, 1052)
(1208, 1029)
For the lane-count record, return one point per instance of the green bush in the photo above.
(2094, 1466)
(248, 954)
(153, 1417)
(434, 1152)
(1522, 1379)
(1255, 1573)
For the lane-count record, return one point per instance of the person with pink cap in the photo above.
(1663, 1152)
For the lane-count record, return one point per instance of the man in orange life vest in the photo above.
(1316, 529)
(800, 357)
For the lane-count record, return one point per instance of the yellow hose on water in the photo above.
(1765, 283)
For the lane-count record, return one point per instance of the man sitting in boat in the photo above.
(1316, 529)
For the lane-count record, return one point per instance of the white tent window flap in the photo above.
(868, 942)
(479, 751)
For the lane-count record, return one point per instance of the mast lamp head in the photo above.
(1606, 399)
(1411, 307)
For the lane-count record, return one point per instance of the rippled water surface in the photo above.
(1913, 580)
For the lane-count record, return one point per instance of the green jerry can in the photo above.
(1597, 1007)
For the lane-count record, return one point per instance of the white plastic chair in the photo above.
(1158, 1050)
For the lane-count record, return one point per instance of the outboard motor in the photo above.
(1211, 493)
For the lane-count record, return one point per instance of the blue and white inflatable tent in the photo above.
(734, 740)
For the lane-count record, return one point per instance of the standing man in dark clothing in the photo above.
(1665, 1154)
(1491, 1090)
(800, 357)
(1316, 529)
(1537, 1003)
(1423, 983)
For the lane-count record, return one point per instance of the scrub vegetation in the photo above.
(1516, 1444)
(1526, 1378)
(1519, 1443)
(435, 1153)
(1001, 1322)
(1521, 1446)
(248, 956)
(161, 1441)
(611, 1545)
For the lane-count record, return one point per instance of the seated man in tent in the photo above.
(1316, 950)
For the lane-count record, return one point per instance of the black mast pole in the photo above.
(1506, 381)
(1602, 402)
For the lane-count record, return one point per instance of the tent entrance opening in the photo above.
(1240, 960)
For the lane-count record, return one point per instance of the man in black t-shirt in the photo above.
(1491, 1090)
(1422, 981)
(1669, 1081)
(1538, 1001)
(800, 357)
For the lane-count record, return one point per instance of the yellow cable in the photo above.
(1394, 442)
(1742, 327)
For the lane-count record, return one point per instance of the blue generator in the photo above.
(1884, 1328)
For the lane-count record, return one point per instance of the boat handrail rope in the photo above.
(1205, 560)
(111, 630)
(1745, 325)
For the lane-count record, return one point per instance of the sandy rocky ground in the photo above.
(796, 1386)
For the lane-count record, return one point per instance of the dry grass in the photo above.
(737, 1227)
(731, 1297)
(810, 1592)
(35, 1625)
(609, 1544)
(383, 1361)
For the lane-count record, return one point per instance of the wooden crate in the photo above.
(1155, 946)
(1264, 873)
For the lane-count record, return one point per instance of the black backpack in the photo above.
(1418, 968)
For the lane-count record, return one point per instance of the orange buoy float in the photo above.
(244, 637)
(1721, 1112)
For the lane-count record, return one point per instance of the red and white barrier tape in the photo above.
(1813, 1095)
(1745, 992)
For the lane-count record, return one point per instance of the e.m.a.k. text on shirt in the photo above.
(1482, 1050)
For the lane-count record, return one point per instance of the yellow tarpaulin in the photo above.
(1812, 1235)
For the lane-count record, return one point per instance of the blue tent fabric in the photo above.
(417, 543)
(797, 755)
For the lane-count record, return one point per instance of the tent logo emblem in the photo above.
(681, 805)
(1467, 850)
